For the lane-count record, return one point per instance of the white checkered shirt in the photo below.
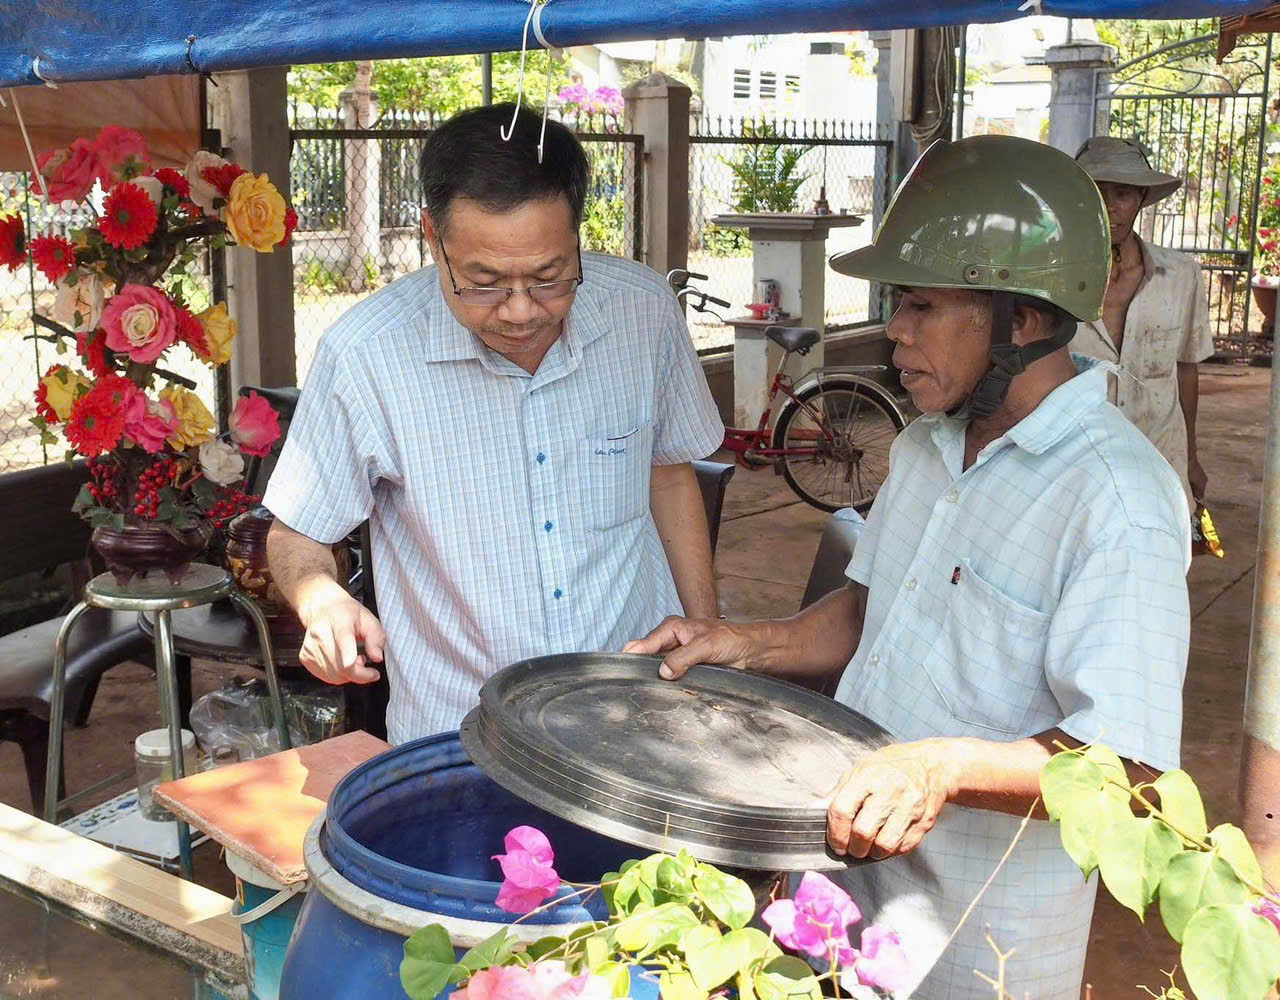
(1043, 587)
(509, 512)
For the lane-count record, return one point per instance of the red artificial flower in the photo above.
(223, 177)
(128, 217)
(13, 236)
(191, 332)
(290, 224)
(55, 256)
(96, 423)
(192, 210)
(43, 410)
(171, 178)
(92, 346)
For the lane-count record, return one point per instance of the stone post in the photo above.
(658, 109)
(362, 162)
(1080, 76)
(254, 123)
(891, 164)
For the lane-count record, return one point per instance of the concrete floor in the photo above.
(767, 542)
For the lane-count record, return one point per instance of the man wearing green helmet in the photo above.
(1020, 580)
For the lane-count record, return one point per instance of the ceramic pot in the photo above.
(143, 547)
(1265, 299)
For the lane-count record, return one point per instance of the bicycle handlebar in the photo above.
(720, 302)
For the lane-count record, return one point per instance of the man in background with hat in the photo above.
(1155, 319)
(1020, 581)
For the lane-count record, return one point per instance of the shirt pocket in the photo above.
(1158, 358)
(617, 476)
(988, 662)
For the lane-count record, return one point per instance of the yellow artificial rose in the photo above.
(219, 332)
(195, 422)
(62, 388)
(255, 213)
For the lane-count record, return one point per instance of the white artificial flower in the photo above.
(153, 188)
(222, 463)
(202, 192)
(81, 294)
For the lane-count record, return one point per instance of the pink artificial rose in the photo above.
(149, 422)
(528, 875)
(881, 961)
(816, 920)
(122, 155)
(140, 322)
(69, 173)
(254, 425)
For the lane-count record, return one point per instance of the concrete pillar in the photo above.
(362, 164)
(1080, 74)
(891, 165)
(657, 107)
(255, 131)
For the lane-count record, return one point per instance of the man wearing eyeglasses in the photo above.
(516, 423)
(1155, 321)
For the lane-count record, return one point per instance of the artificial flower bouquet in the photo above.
(155, 458)
(676, 927)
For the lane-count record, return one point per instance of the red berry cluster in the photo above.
(154, 478)
(102, 484)
(233, 503)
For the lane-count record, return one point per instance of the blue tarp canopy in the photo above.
(69, 40)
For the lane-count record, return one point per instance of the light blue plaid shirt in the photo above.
(1043, 587)
(509, 512)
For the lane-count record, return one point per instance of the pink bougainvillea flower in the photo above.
(122, 155)
(69, 173)
(882, 961)
(502, 982)
(149, 422)
(528, 875)
(254, 426)
(140, 322)
(1268, 908)
(816, 921)
(553, 981)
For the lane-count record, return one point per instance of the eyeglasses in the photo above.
(544, 291)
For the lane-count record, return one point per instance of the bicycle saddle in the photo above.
(793, 338)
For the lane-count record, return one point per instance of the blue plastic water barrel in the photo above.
(407, 841)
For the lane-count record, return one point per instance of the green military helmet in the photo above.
(994, 213)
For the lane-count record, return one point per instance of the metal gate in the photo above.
(1205, 123)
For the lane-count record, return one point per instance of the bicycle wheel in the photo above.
(835, 438)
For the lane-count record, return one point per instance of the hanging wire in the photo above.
(534, 19)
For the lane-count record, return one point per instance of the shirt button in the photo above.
(540, 458)
(953, 496)
(874, 659)
(911, 584)
(547, 527)
(557, 593)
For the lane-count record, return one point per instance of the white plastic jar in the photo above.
(152, 758)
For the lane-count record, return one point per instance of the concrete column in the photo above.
(362, 164)
(255, 131)
(891, 165)
(1080, 74)
(657, 107)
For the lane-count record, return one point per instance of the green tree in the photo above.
(765, 177)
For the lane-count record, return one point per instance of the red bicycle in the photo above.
(832, 437)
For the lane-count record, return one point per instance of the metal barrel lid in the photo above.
(735, 767)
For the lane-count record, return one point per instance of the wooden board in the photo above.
(261, 809)
(178, 916)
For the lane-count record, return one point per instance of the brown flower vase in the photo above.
(142, 548)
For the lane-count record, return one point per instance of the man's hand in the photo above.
(1196, 477)
(890, 799)
(688, 641)
(336, 623)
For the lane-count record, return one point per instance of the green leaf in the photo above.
(652, 929)
(597, 953)
(428, 965)
(679, 985)
(543, 946)
(166, 511)
(1133, 854)
(618, 976)
(787, 978)
(117, 522)
(47, 437)
(431, 944)
(1181, 804)
(83, 501)
(729, 898)
(492, 950)
(675, 882)
(715, 962)
(1116, 783)
(1196, 879)
(1234, 847)
(1230, 953)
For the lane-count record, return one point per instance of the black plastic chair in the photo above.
(713, 479)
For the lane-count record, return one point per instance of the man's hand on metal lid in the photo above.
(689, 641)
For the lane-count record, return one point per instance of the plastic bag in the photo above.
(235, 722)
(1204, 536)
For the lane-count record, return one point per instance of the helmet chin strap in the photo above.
(1008, 360)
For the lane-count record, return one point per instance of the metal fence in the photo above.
(1205, 123)
(24, 358)
(745, 164)
(357, 192)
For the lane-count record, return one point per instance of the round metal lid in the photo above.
(735, 767)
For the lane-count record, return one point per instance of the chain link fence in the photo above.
(25, 358)
(358, 196)
(757, 165)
